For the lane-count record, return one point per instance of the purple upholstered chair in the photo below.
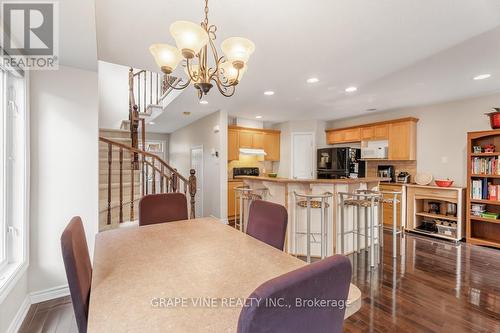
(267, 222)
(78, 269)
(328, 280)
(165, 207)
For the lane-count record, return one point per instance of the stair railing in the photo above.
(156, 176)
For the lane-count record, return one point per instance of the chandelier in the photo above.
(194, 42)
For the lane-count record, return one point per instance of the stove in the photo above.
(245, 172)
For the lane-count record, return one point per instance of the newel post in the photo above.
(192, 191)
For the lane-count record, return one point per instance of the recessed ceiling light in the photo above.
(351, 89)
(371, 109)
(482, 76)
(186, 113)
(258, 117)
(312, 80)
(151, 123)
(269, 93)
(204, 102)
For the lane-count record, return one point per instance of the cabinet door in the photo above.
(367, 133)
(233, 147)
(388, 210)
(402, 141)
(380, 132)
(258, 141)
(333, 137)
(232, 208)
(272, 146)
(352, 135)
(246, 139)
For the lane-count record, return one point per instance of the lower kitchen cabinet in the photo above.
(388, 208)
(232, 207)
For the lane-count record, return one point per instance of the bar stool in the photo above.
(245, 195)
(393, 199)
(360, 199)
(313, 201)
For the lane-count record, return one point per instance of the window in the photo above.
(13, 176)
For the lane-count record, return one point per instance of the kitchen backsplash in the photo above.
(250, 161)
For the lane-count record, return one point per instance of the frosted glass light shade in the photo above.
(238, 50)
(167, 57)
(231, 73)
(189, 37)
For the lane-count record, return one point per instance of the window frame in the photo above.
(16, 231)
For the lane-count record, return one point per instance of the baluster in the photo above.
(132, 176)
(174, 181)
(192, 191)
(121, 185)
(145, 97)
(154, 176)
(161, 179)
(139, 91)
(147, 178)
(150, 87)
(157, 89)
(143, 177)
(110, 158)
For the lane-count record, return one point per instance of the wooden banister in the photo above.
(170, 179)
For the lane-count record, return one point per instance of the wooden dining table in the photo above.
(185, 276)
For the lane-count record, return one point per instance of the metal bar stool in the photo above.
(368, 201)
(313, 201)
(393, 200)
(245, 195)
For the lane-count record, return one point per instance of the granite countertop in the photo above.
(314, 181)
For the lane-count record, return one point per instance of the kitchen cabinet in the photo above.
(233, 146)
(272, 146)
(232, 207)
(388, 208)
(400, 133)
(403, 141)
(266, 139)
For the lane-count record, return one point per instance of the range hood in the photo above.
(255, 152)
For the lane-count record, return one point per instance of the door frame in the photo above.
(202, 169)
(313, 153)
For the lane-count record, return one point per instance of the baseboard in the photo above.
(48, 294)
(18, 320)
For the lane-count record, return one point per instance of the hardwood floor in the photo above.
(54, 316)
(436, 287)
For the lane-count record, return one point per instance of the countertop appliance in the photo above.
(403, 177)
(386, 171)
(245, 172)
(334, 163)
(375, 149)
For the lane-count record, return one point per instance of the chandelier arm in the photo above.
(177, 87)
(223, 89)
(230, 84)
(216, 59)
(192, 77)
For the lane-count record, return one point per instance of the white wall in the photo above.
(113, 94)
(64, 167)
(283, 167)
(441, 132)
(198, 133)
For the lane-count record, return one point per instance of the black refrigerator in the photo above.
(335, 163)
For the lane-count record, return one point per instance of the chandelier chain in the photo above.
(206, 12)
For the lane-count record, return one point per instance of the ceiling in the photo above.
(397, 52)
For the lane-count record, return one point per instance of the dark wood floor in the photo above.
(436, 287)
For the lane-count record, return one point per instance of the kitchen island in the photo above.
(281, 191)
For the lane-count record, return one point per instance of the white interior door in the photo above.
(197, 165)
(302, 155)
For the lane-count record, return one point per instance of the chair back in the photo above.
(267, 222)
(78, 269)
(327, 281)
(160, 208)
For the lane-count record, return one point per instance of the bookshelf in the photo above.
(483, 188)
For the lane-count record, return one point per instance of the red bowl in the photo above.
(443, 183)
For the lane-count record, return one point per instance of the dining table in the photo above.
(183, 276)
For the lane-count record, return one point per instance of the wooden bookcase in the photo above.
(480, 230)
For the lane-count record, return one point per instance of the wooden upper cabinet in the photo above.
(403, 140)
(376, 132)
(272, 146)
(245, 139)
(367, 133)
(233, 146)
(344, 135)
(242, 137)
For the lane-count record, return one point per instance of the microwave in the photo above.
(375, 149)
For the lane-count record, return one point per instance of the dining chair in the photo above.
(287, 301)
(78, 269)
(164, 207)
(267, 222)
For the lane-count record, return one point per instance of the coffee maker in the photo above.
(386, 171)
